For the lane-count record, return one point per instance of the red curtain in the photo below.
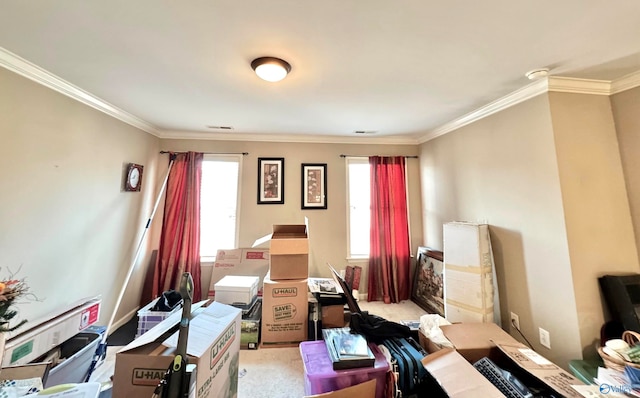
(390, 251)
(179, 250)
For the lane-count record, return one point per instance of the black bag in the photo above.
(376, 329)
(168, 301)
(406, 361)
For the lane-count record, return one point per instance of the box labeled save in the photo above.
(213, 346)
(237, 290)
(243, 261)
(284, 312)
(288, 251)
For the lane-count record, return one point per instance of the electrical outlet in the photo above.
(515, 320)
(545, 338)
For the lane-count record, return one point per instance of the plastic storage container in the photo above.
(78, 353)
(148, 319)
(319, 376)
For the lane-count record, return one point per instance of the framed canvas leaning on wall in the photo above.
(428, 281)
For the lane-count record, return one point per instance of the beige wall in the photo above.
(328, 233)
(502, 170)
(596, 207)
(63, 216)
(626, 108)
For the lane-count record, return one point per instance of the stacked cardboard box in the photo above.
(284, 303)
(243, 261)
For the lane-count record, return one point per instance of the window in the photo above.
(359, 208)
(219, 203)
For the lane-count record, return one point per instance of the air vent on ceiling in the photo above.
(365, 132)
(220, 127)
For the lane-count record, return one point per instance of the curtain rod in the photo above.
(366, 156)
(211, 153)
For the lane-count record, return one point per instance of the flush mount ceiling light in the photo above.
(537, 74)
(271, 69)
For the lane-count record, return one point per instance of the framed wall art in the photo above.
(314, 186)
(428, 281)
(270, 181)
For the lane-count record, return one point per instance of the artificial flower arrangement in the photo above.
(11, 289)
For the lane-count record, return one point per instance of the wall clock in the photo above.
(133, 178)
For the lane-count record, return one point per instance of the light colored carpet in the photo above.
(279, 372)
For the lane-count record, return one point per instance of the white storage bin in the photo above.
(239, 291)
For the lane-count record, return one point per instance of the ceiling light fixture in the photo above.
(271, 69)
(537, 74)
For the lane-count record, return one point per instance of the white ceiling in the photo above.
(399, 68)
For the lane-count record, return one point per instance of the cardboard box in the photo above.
(288, 251)
(468, 269)
(237, 290)
(243, 261)
(456, 377)
(284, 312)
(333, 316)
(477, 340)
(213, 346)
(34, 341)
(472, 340)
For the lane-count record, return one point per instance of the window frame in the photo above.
(355, 160)
(227, 157)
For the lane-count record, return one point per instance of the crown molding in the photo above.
(579, 86)
(18, 65)
(550, 84)
(298, 138)
(632, 80)
(534, 89)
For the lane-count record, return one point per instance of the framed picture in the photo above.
(270, 181)
(428, 281)
(314, 186)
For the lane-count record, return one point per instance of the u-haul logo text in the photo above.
(222, 344)
(285, 292)
(147, 377)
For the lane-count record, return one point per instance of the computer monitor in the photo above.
(622, 295)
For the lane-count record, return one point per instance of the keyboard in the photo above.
(503, 380)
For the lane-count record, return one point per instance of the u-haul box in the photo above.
(213, 346)
(285, 312)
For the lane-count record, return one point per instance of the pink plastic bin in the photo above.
(320, 377)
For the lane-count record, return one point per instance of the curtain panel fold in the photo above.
(179, 249)
(390, 250)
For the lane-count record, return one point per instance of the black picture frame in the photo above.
(428, 280)
(270, 181)
(313, 192)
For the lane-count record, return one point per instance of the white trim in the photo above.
(33, 72)
(509, 100)
(579, 86)
(299, 138)
(632, 80)
(25, 68)
(123, 320)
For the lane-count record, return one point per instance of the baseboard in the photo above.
(124, 319)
